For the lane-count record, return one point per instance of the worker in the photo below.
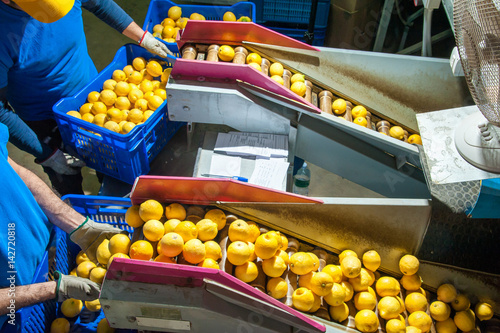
(28, 210)
(43, 58)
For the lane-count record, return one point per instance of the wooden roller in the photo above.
(196, 211)
(290, 277)
(189, 52)
(406, 135)
(368, 120)
(383, 126)
(348, 114)
(308, 95)
(240, 55)
(322, 312)
(260, 281)
(325, 101)
(213, 53)
(224, 264)
(287, 75)
(264, 66)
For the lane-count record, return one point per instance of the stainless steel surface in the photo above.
(393, 227)
(380, 163)
(396, 86)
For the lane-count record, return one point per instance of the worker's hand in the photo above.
(69, 286)
(89, 235)
(63, 163)
(153, 45)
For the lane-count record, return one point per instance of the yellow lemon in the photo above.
(207, 229)
(238, 253)
(60, 325)
(75, 114)
(276, 69)
(132, 217)
(339, 313)
(397, 132)
(150, 210)
(226, 53)
(359, 111)
(461, 303)
(88, 117)
(387, 286)
(146, 86)
(349, 291)
(247, 272)
(446, 326)
(371, 260)
(411, 282)
(147, 114)
(122, 103)
(244, 19)
(413, 329)
(170, 225)
(141, 104)
(103, 253)
(71, 307)
(83, 269)
(119, 75)
(117, 255)
(365, 300)
(334, 271)
(103, 327)
(119, 243)
(174, 12)
(187, 230)
(266, 246)
(362, 281)
(162, 93)
(415, 138)
(135, 78)
(283, 256)
(315, 260)
(274, 266)
(483, 311)
(446, 293)
(196, 16)
(97, 274)
(109, 84)
(346, 253)
(121, 89)
(229, 16)
(115, 115)
(256, 66)
(175, 211)
(339, 105)
(93, 96)
(408, 264)
(254, 57)
(213, 250)
(158, 28)
(278, 79)
(141, 250)
(194, 251)
(153, 230)
(167, 32)
(395, 326)
(277, 287)
(361, 121)
(416, 302)
(154, 68)
(127, 127)
(297, 77)
(218, 216)
(165, 75)
(239, 230)
(85, 108)
(255, 232)
(98, 108)
(366, 321)
(336, 296)
(165, 259)
(139, 63)
(209, 263)
(93, 306)
(316, 304)
(301, 263)
(81, 257)
(181, 23)
(305, 280)
(299, 88)
(303, 299)
(99, 119)
(440, 311)
(171, 244)
(135, 116)
(420, 320)
(388, 307)
(351, 266)
(168, 21)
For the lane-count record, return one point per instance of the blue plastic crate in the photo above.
(291, 11)
(319, 34)
(60, 256)
(122, 156)
(158, 11)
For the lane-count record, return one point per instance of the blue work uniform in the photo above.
(24, 228)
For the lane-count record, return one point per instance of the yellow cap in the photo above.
(46, 11)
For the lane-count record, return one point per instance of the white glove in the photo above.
(63, 163)
(75, 287)
(153, 45)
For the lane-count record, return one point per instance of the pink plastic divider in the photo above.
(216, 32)
(129, 270)
(205, 191)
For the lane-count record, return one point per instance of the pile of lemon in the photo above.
(128, 98)
(168, 28)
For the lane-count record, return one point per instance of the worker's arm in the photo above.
(26, 295)
(113, 15)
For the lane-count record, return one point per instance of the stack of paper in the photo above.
(252, 144)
